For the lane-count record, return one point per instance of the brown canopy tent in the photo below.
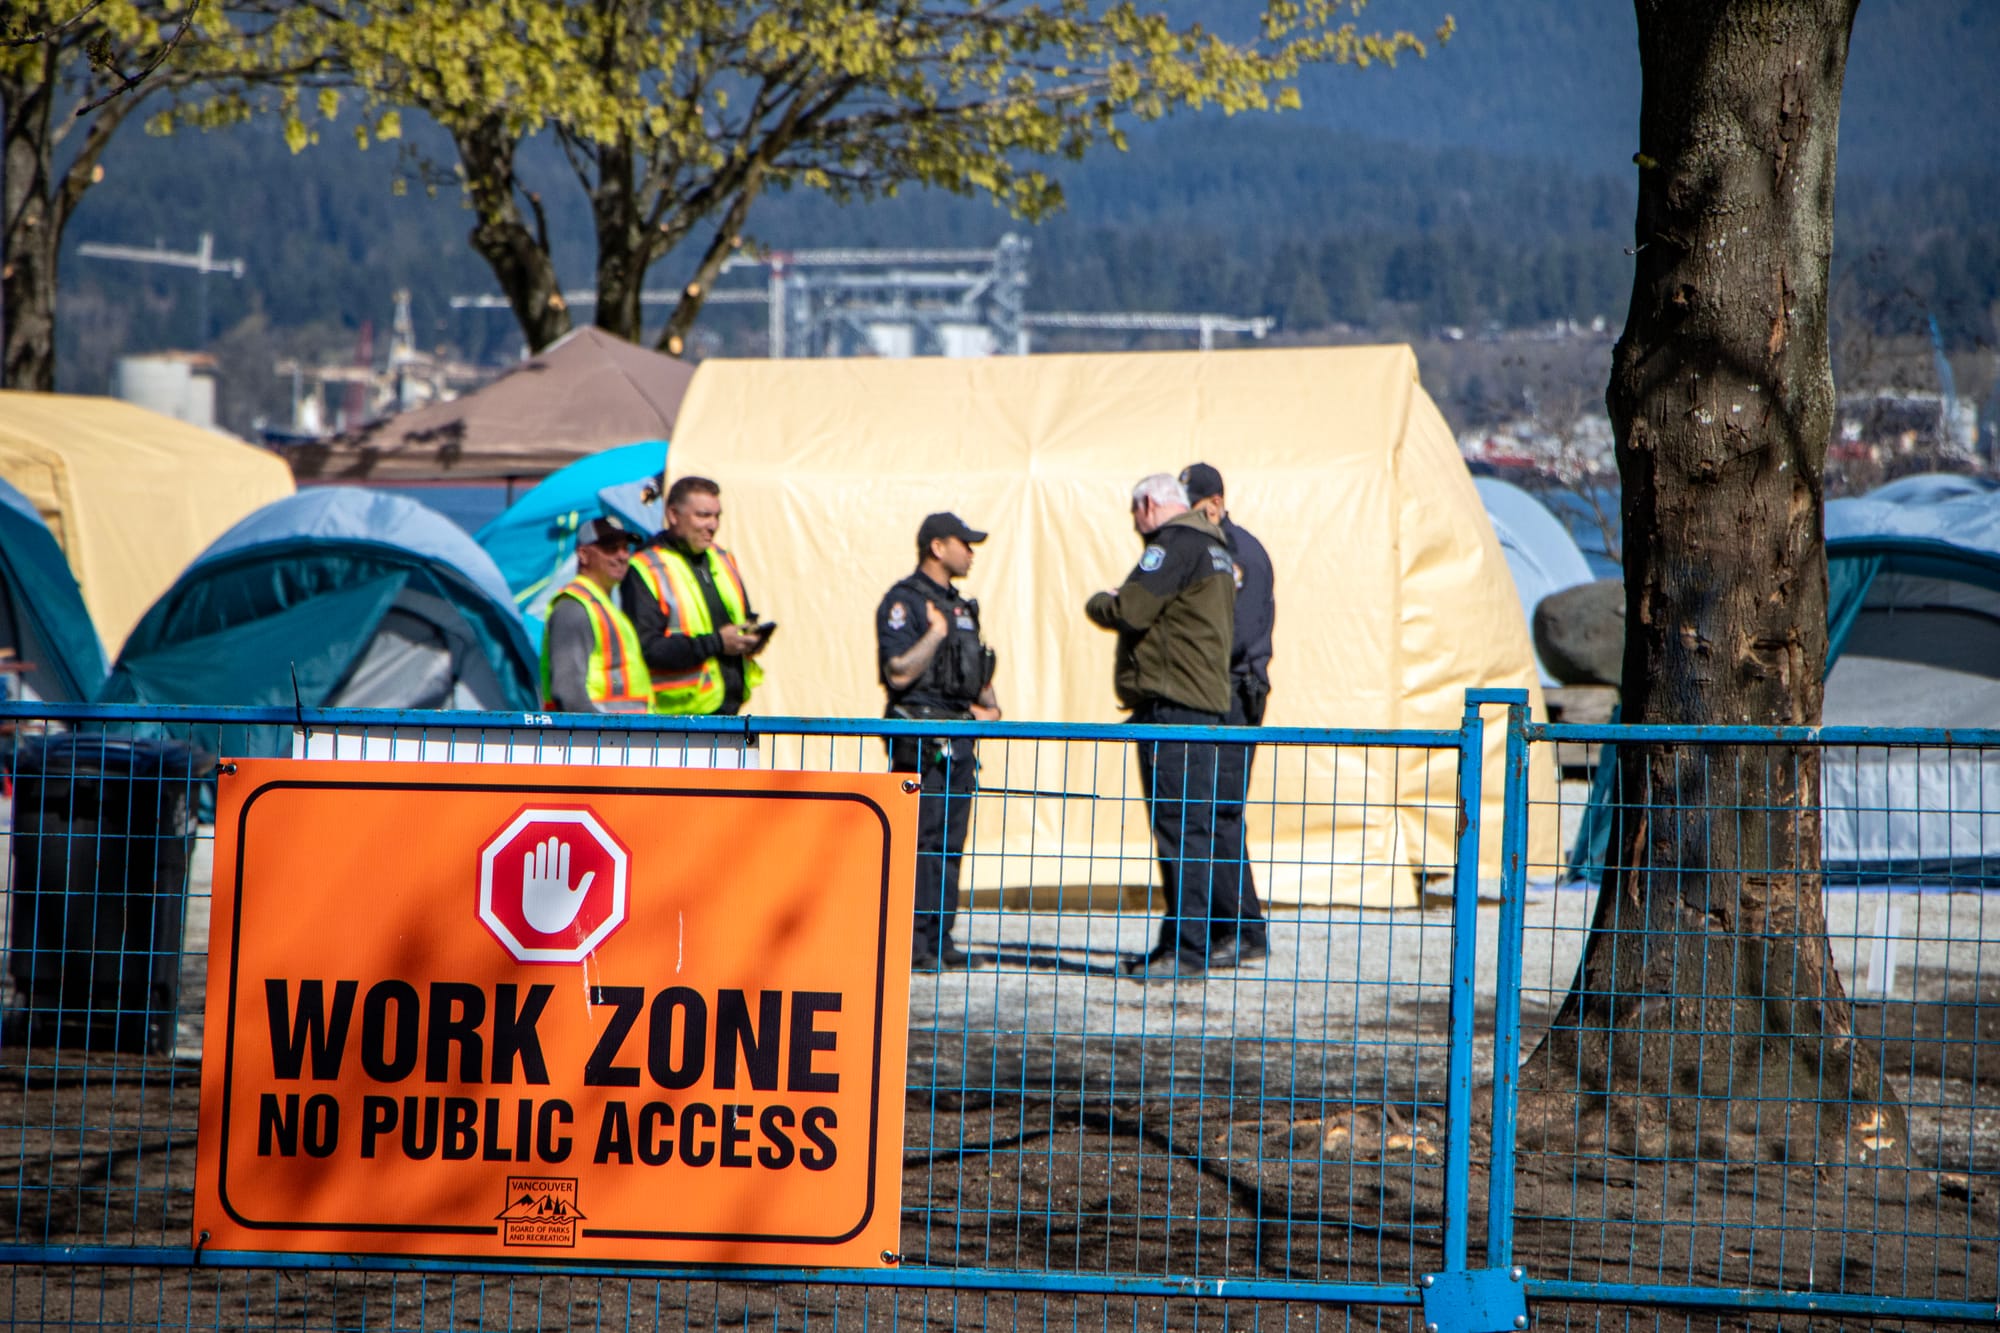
(588, 392)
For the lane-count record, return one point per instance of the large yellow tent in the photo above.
(1393, 595)
(132, 496)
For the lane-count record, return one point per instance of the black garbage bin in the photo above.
(103, 833)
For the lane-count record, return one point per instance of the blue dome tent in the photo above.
(1930, 487)
(43, 621)
(534, 541)
(353, 598)
(1541, 554)
(1913, 640)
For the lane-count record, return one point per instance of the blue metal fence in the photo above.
(1786, 1025)
(1306, 1142)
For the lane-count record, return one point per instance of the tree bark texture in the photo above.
(28, 255)
(39, 194)
(518, 255)
(624, 247)
(1706, 1018)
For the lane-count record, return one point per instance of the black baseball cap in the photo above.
(1201, 481)
(946, 525)
(608, 528)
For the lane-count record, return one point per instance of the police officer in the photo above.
(935, 667)
(1175, 616)
(1237, 911)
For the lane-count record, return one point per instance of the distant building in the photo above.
(1887, 423)
(175, 384)
(1578, 449)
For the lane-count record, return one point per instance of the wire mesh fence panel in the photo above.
(1261, 1114)
(107, 880)
(1750, 1087)
(1759, 1000)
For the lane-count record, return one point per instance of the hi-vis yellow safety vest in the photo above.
(617, 679)
(670, 578)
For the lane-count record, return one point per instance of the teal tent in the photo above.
(55, 651)
(534, 541)
(1913, 640)
(336, 597)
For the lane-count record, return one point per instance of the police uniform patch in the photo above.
(965, 621)
(898, 616)
(1219, 561)
(1154, 557)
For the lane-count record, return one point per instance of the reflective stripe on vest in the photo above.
(616, 679)
(671, 579)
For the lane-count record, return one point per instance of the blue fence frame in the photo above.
(1463, 1291)
(1808, 1297)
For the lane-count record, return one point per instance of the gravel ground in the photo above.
(1282, 1120)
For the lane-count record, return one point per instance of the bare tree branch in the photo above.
(34, 38)
(127, 82)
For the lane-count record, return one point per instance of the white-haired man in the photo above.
(1175, 618)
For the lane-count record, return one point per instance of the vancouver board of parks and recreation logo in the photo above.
(541, 1210)
(553, 885)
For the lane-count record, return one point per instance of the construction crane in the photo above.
(201, 259)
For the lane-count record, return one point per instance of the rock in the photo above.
(1580, 633)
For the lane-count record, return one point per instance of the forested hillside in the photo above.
(1490, 184)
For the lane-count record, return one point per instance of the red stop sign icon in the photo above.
(552, 885)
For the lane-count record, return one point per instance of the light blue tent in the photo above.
(340, 597)
(1913, 630)
(534, 541)
(1541, 554)
(43, 622)
(1926, 488)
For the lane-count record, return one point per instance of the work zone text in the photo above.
(372, 1043)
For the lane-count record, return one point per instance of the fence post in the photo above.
(1507, 987)
(1464, 972)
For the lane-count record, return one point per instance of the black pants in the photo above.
(1236, 905)
(1182, 780)
(944, 815)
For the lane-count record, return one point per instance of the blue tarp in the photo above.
(1959, 532)
(534, 542)
(1927, 488)
(1541, 554)
(335, 595)
(47, 625)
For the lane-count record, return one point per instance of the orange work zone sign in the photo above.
(558, 1013)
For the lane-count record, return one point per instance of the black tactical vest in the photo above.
(959, 670)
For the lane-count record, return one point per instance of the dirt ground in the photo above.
(1284, 1125)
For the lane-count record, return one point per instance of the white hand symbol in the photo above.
(547, 901)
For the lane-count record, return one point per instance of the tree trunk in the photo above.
(36, 203)
(32, 235)
(518, 256)
(1706, 1018)
(624, 252)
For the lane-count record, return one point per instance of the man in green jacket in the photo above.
(1175, 618)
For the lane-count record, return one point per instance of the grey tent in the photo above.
(1913, 627)
(1913, 640)
(1541, 554)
